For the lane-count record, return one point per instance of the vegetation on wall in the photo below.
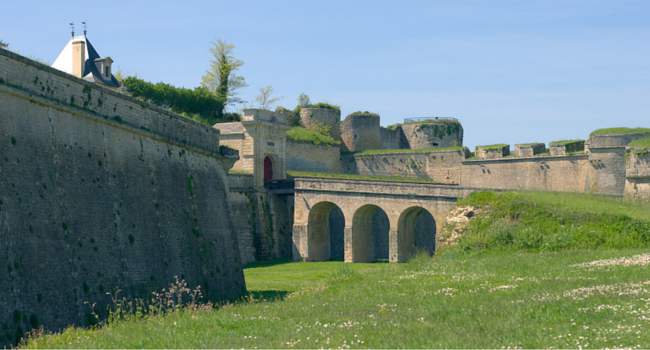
(428, 122)
(365, 113)
(198, 104)
(324, 105)
(496, 146)
(299, 133)
(607, 131)
(3, 45)
(564, 142)
(640, 143)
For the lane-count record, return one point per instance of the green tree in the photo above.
(304, 101)
(264, 99)
(220, 79)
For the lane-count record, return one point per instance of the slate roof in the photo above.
(91, 73)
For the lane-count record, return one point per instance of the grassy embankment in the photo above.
(299, 133)
(534, 270)
(607, 131)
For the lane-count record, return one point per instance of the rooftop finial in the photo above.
(72, 26)
(85, 27)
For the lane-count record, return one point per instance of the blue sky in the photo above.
(510, 71)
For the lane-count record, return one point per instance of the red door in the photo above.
(268, 169)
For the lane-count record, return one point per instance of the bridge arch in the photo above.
(416, 229)
(367, 235)
(318, 235)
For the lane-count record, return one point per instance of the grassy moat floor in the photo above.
(492, 290)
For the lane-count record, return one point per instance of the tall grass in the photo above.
(541, 221)
(301, 134)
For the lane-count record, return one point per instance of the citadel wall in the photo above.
(360, 132)
(429, 134)
(101, 191)
(540, 173)
(311, 117)
(637, 169)
(441, 166)
(305, 156)
(390, 138)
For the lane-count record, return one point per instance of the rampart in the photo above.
(442, 166)
(637, 171)
(261, 220)
(100, 191)
(431, 134)
(360, 132)
(322, 117)
(541, 173)
(302, 155)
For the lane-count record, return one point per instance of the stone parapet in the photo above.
(614, 140)
(561, 148)
(529, 149)
(492, 151)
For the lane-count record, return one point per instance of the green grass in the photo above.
(365, 113)
(528, 144)
(620, 131)
(425, 122)
(542, 221)
(325, 105)
(232, 171)
(564, 142)
(301, 134)
(496, 146)
(357, 177)
(640, 143)
(527, 300)
(499, 296)
(425, 150)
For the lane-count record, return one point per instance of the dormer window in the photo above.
(104, 67)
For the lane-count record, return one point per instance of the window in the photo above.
(107, 71)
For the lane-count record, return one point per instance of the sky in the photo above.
(510, 71)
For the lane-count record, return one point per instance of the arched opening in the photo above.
(337, 234)
(416, 229)
(370, 229)
(319, 227)
(268, 169)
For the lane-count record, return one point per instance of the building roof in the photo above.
(91, 73)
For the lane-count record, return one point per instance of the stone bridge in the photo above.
(412, 213)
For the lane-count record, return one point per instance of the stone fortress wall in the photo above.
(100, 191)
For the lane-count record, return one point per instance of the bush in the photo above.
(198, 104)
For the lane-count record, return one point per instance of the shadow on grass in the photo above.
(267, 263)
(268, 295)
